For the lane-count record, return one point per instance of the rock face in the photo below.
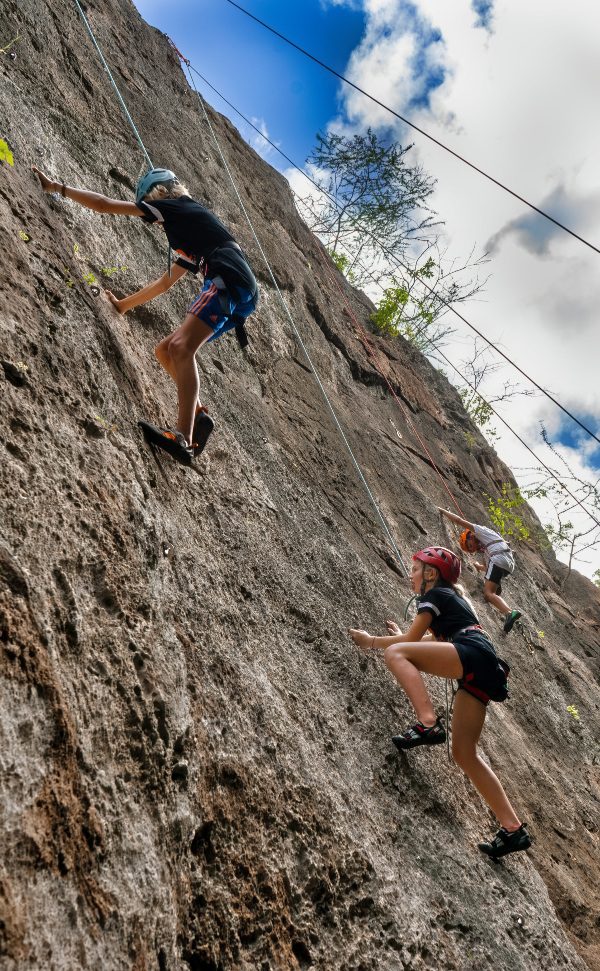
(196, 763)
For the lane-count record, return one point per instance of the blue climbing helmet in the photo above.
(150, 179)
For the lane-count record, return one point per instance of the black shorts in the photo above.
(496, 574)
(481, 669)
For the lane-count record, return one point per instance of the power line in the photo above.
(411, 124)
(404, 266)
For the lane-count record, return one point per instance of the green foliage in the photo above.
(15, 40)
(5, 153)
(401, 313)
(374, 217)
(573, 712)
(503, 512)
(343, 264)
(561, 536)
(478, 410)
(596, 578)
(109, 271)
(23, 235)
(388, 316)
(89, 278)
(105, 424)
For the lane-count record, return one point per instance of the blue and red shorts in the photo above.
(215, 307)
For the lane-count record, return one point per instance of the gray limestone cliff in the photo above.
(196, 768)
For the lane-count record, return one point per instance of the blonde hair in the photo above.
(173, 191)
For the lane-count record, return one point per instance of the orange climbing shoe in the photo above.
(169, 440)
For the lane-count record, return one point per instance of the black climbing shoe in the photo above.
(203, 426)
(505, 842)
(169, 440)
(420, 735)
(511, 620)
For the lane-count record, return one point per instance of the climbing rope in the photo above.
(370, 348)
(113, 82)
(411, 124)
(359, 471)
(297, 334)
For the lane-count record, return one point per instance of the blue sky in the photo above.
(265, 78)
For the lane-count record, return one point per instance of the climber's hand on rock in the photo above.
(116, 303)
(361, 638)
(47, 184)
(392, 627)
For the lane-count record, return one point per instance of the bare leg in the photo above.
(467, 722)
(406, 661)
(491, 597)
(176, 354)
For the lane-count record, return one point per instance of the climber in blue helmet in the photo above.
(229, 295)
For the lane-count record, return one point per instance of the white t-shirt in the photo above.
(495, 549)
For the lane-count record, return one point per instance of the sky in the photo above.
(513, 87)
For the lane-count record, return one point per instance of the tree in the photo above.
(568, 530)
(374, 217)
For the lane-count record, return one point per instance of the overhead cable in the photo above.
(411, 124)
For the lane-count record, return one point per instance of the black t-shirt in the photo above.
(449, 612)
(198, 237)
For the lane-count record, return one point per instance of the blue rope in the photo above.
(107, 69)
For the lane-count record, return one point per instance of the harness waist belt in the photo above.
(465, 630)
(230, 244)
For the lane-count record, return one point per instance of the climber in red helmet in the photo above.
(455, 647)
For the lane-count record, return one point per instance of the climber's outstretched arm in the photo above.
(456, 519)
(164, 283)
(91, 200)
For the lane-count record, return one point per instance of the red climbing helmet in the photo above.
(442, 559)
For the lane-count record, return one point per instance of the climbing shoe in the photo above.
(169, 440)
(511, 620)
(203, 426)
(420, 735)
(505, 842)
